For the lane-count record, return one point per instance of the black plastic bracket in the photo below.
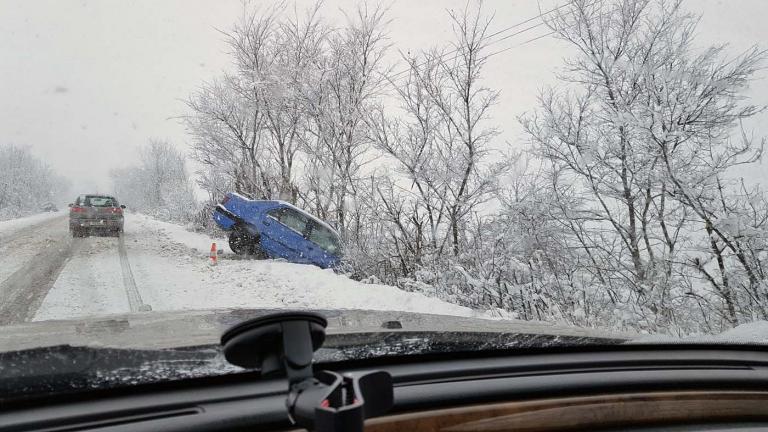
(285, 343)
(340, 402)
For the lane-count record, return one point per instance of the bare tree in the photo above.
(230, 136)
(250, 124)
(350, 79)
(442, 143)
(274, 58)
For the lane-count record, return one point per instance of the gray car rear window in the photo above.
(96, 201)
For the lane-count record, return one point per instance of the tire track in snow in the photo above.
(129, 283)
(22, 293)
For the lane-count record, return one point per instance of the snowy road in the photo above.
(45, 274)
(32, 257)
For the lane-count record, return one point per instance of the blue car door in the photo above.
(325, 247)
(285, 234)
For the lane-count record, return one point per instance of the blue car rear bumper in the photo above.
(224, 218)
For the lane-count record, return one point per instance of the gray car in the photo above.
(91, 213)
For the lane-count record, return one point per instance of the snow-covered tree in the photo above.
(350, 77)
(26, 183)
(159, 185)
(626, 210)
(440, 142)
(636, 142)
(288, 123)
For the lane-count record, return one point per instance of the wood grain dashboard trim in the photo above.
(584, 413)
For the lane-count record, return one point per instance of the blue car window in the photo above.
(324, 238)
(291, 218)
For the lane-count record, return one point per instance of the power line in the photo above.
(534, 39)
(512, 27)
(520, 44)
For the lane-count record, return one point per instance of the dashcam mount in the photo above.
(283, 344)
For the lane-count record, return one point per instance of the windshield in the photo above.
(438, 176)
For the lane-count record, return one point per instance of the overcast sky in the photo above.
(85, 82)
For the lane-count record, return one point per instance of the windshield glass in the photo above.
(96, 201)
(438, 176)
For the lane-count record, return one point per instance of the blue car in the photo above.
(277, 229)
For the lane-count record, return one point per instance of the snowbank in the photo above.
(172, 272)
(751, 332)
(19, 243)
(174, 232)
(12, 225)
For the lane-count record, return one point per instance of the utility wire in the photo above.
(535, 38)
(504, 30)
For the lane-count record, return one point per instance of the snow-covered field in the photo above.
(171, 269)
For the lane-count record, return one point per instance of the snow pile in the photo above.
(22, 239)
(174, 232)
(10, 226)
(280, 284)
(751, 332)
(754, 332)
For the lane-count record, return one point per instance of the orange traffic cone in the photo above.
(214, 256)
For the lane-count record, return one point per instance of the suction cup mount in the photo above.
(284, 344)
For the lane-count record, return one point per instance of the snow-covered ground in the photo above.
(751, 332)
(747, 333)
(89, 285)
(21, 239)
(158, 250)
(12, 226)
(171, 269)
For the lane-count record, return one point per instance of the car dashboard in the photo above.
(688, 388)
